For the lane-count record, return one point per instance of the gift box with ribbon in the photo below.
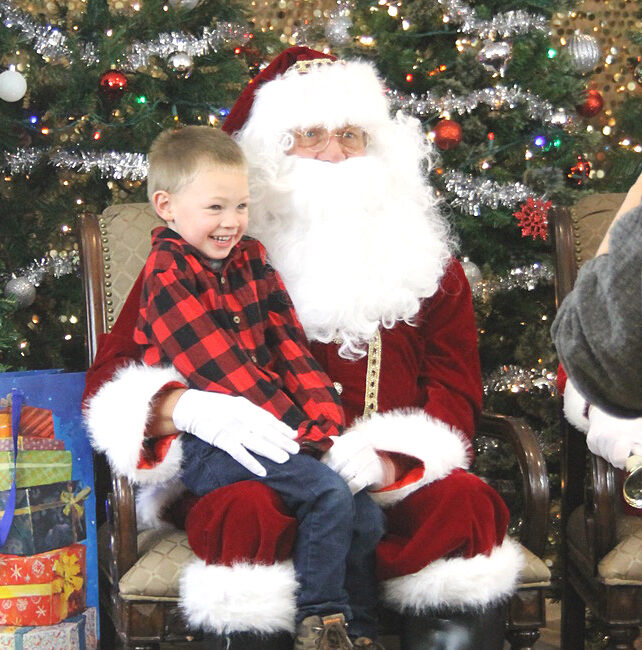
(43, 589)
(35, 468)
(29, 443)
(46, 517)
(74, 633)
(34, 422)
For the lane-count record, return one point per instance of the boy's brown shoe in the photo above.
(322, 633)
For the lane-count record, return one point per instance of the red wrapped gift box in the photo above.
(34, 421)
(43, 589)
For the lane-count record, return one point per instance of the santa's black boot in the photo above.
(481, 629)
(248, 641)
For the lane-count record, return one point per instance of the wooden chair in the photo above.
(601, 546)
(139, 602)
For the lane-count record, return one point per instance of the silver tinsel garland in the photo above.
(496, 97)
(471, 193)
(515, 379)
(509, 23)
(47, 40)
(111, 164)
(22, 161)
(51, 43)
(62, 263)
(521, 277)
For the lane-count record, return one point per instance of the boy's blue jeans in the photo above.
(334, 551)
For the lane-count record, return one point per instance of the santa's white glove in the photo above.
(613, 438)
(235, 425)
(353, 457)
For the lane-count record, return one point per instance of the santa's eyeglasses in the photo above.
(352, 139)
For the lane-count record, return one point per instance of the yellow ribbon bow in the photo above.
(67, 566)
(73, 501)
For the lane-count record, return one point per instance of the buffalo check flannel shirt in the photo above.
(234, 330)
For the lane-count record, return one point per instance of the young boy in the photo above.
(213, 307)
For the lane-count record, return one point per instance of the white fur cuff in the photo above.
(116, 417)
(413, 432)
(457, 583)
(575, 407)
(241, 598)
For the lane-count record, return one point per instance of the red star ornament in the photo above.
(533, 218)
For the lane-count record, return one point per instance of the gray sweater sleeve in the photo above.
(598, 328)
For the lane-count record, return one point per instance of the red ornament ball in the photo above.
(447, 134)
(592, 105)
(579, 172)
(113, 84)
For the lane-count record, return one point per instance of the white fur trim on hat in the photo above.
(241, 598)
(575, 407)
(457, 583)
(345, 92)
(116, 417)
(440, 447)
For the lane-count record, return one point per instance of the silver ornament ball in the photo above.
(584, 51)
(337, 30)
(472, 272)
(494, 56)
(21, 290)
(181, 64)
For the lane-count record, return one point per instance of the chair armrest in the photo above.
(590, 480)
(600, 509)
(534, 473)
(124, 528)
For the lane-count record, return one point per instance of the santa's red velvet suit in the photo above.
(411, 383)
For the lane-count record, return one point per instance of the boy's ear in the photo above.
(162, 202)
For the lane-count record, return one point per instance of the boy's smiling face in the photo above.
(210, 213)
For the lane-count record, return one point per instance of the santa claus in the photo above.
(340, 199)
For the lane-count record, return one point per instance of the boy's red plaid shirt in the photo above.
(234, 330)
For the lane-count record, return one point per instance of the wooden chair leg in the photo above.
(573, 619)
(622, 638)
(522, 639)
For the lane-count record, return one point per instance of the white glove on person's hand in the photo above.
(613, 438)
(235, 425)
(353, 457)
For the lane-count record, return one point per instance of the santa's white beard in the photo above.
(357, 246)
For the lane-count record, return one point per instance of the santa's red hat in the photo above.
(303, 87)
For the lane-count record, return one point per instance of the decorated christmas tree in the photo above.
(529, 105)
(85, 88)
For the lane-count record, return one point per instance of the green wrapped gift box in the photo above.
(35, 468)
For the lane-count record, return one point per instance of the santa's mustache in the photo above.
(355, 250)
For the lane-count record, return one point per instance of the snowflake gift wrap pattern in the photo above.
(43, 589)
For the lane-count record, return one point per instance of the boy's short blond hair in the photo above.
(177, 155)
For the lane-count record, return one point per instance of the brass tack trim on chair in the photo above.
(372, 375)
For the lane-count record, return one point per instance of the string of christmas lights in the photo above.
(51, 43)
(503, 25)
(428, 104)
(515, 379)
(472, 193)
